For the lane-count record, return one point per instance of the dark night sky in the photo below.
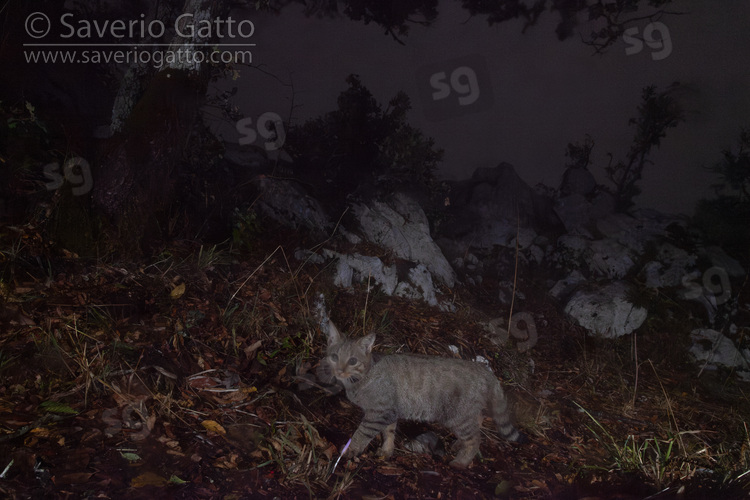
(536, 93)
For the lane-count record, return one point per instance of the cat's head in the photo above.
(346, 360)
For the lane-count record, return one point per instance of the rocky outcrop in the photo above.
(400, 225)
(604, 310)
(494, 222)
(713, 350)
(487, 208)
(289, 205)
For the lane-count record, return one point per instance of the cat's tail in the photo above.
(502, 416)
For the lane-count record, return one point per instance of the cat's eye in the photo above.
(352, 361)
(334, 357)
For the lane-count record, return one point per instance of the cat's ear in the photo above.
(334, 336)
(367, 342)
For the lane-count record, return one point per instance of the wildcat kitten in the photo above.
(452, 392)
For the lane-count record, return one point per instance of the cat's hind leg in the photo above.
(467, 445)
(502, 416)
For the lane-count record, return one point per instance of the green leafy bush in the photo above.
(724, 219)
(362, 144)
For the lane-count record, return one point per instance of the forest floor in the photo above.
(188, 377)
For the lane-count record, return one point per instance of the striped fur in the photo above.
(451, 392)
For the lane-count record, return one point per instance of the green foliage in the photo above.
(210, 257)
(245, 229)
(579, 154)
(641, 296)
(57, 407)
(657, 112)
(655, 458)
(361, 143)
(616, 16)
(5, 360)
(734, 170)
(24, 144)
(724, 219)
(395, 17)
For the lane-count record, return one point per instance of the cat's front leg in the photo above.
(371, 425)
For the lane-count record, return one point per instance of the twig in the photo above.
(367, 297)
(252, 274)
(515, 271)
(637, 367)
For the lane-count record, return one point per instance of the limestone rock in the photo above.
(711, 349)
(400, 225)
(605, 311)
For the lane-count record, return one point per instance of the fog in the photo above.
(535, 93)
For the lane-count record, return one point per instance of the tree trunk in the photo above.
(134, 182)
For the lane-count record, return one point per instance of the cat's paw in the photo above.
(351, 452)
(459, 464)
(384, 453)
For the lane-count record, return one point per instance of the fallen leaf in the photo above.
(41, 432)
(165, 372)
(227, 462)
(252, 348)
(75, 478)
(202, 382)
(178, 291)
(213, 426)
(330, 451)
(387, 470)
(280, 318)
(57, 407)
(130, 457)
(148, 479)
